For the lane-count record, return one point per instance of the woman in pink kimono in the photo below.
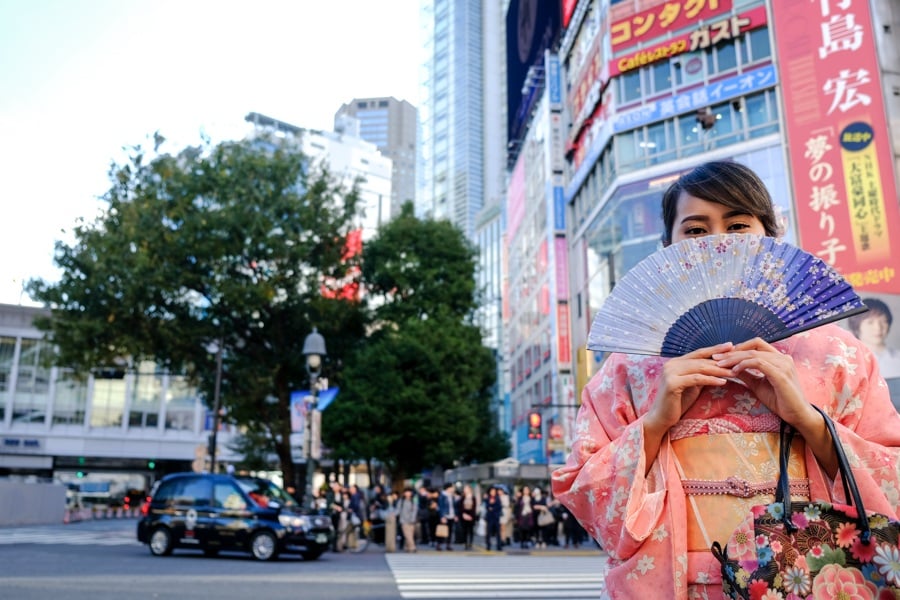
(670, 454)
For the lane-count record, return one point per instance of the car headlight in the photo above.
(295, 521)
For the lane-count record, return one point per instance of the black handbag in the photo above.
(812, 549)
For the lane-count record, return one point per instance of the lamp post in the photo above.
(314, 351)
(217, 406)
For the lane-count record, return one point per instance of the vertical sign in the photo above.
(840, 156)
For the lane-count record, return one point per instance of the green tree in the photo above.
(417, 393)
(227, 244)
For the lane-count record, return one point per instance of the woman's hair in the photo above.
(876, 307)
(727, 183)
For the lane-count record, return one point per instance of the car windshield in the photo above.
(263, 492)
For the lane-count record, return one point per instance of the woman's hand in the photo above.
(772, 378)
(680, 383)
(677, 389)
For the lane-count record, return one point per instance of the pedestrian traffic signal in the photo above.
(534, 426)
(151, 464)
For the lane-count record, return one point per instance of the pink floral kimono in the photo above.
(656, 528)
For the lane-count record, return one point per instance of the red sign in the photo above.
(699, 39)
(563, 345)
(661, 19)
(840, 155)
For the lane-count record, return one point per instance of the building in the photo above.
(391, 125)
(650, 94)
(120, 426)
(348, 157)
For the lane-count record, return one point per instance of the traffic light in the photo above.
(534, 426)
(151, 464)
(80, 474)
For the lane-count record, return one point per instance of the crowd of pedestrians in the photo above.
(453, 516)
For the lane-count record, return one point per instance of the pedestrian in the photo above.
(493, 511)
(333, 501)
(448, 515)
(423, 500)
(507, 518)
(408, 516)
(468, 514)
(650, 427)
(525, 518)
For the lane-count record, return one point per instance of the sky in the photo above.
(82, 79)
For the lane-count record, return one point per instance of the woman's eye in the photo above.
(738, 226)
(694, 231)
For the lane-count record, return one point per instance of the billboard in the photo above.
(532, 26)
(838, 140)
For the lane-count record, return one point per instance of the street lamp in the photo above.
(314, 351)
(217, 407)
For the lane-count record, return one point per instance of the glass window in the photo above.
(762, 113)
(722, 58)
(755, 46)
(180, 403)
(70, 401)
(108, 402)
(630, 86)
(661, 76)
(194, 491)
(688, 136)
(659, 146)
(31, 398)
(727, 129)
(626, 150)
(146, 397)
(226, 495)
(7, 353)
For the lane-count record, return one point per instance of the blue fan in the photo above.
(719, 288)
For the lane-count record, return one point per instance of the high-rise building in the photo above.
(391, 125)
(451, 159)
(348, 157)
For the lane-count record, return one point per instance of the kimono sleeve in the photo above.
(603, 482)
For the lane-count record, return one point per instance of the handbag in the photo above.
(812, 549)
(442, 530)
(545, 517)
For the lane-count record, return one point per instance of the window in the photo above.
(721, 58)
(659, 145)
(755, 46)
(108, 403)
(70, 401)
(226, 495)
(179, 404)
(762, 113)
(688, 135)
(193, 491)
(661, 76)
(630, 86)
(7, 353)
(31, 396)
(146, 398)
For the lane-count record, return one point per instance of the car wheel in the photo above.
(263, 545)
(161, 542)
(312, 553)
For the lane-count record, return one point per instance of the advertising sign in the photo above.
(838, 140)
(663, 18)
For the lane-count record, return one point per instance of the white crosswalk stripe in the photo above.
(467, 576)
(24, 535)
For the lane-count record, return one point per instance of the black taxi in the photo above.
(212, 513)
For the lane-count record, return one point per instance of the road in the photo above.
(101, 560)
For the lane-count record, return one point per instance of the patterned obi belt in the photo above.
(724, 475)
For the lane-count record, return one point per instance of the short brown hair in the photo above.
(724, 182)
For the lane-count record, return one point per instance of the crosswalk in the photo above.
(39, 535)
(473, 577)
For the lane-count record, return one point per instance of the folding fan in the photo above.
(719, 288)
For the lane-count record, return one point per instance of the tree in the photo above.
(417, 393)
(229, 244)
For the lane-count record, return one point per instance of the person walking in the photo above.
(408, 516)
(493, 512)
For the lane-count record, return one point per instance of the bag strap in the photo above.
(851, 491)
